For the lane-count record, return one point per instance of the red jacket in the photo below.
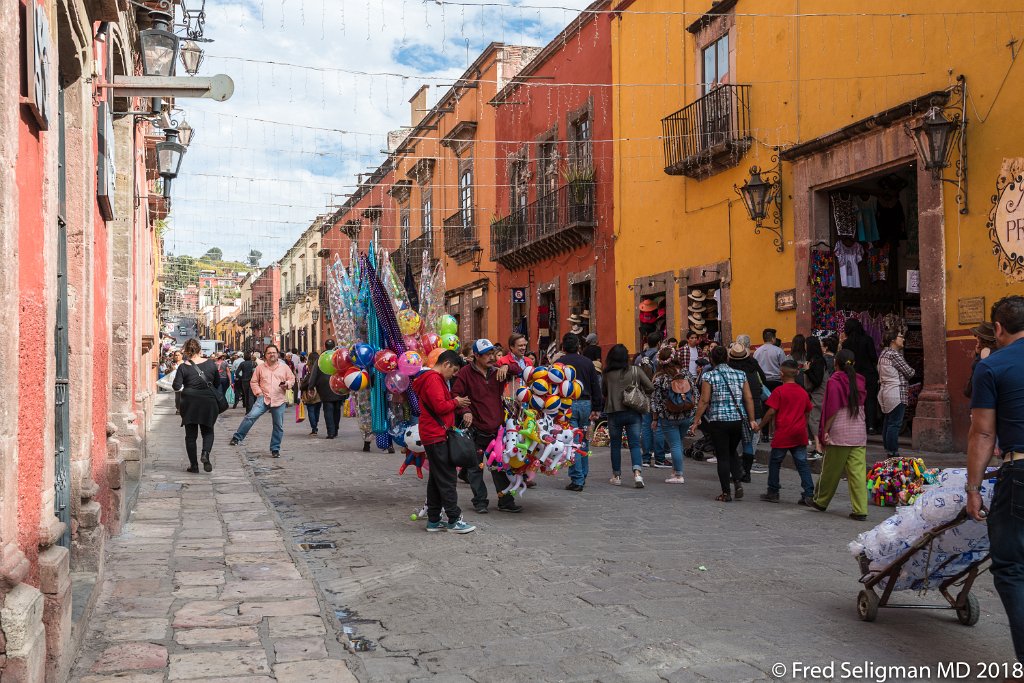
(514, 369)
(433, 393)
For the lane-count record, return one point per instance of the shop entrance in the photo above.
(547, 319)
(866, 265)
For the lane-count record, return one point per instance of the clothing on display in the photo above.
(845, 213)
(867, 224)
(823, 288)
(848, 258)
(878, 262)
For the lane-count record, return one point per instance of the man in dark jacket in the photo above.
(586, 409)
(330, 400)
(483, 384)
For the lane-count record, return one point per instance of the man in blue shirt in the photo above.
(997, 415)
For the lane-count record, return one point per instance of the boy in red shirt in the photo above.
(789, 405)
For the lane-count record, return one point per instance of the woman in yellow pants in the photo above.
(844, 432)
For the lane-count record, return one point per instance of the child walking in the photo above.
(788, 406)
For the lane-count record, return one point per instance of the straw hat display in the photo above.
(697, 295)
(696, 308)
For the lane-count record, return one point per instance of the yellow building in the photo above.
(834, 91)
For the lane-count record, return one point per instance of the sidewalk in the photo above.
(202, 584)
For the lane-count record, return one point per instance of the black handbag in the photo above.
(461, 447)
(222, 401)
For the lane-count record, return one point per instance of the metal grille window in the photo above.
(466, 196)
(519, 188)
(581, 139)
(427, 222)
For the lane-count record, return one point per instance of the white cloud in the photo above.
(249, 183)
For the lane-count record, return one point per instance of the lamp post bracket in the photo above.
(219, 87)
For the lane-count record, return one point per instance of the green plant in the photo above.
(575, 172)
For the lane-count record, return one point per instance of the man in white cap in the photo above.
(483, 384)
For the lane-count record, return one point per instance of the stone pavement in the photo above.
(612, 584)
(202, 584)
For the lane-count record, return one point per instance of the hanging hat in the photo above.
(648, 317)
(696, 318)
(698, 328)
(985, 332)
(697, 295)
(585, 314)
(738, 351)
(575, 319)
(648, 305)
(576, 329)
(696, 308)
(711, 293)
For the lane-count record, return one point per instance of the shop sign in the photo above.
(785, 300)
(106, 172)
(913, 282)
(971, 310)
(1006, 220)
(38, 64)
(519, 295)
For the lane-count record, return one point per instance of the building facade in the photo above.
(301, 275)
(551, 235)
(78, 212)
(746, 86)
(265, 311)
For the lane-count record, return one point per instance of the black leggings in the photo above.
(726, 437)
(191, 433)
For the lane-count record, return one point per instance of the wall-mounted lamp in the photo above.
(763, 200)
(169, 154)
(191, 57)
(478, 255)
(936, 135)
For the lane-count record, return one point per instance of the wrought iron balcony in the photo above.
(460, 236)
(708, 135)
(557, 222)
(414, 252)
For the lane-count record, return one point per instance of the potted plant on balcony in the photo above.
(579, 176)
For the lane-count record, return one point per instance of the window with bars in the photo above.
(581, 136)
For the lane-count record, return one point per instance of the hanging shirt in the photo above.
(848, 258)
(845, 214)
(867, 224)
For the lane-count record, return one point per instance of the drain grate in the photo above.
(319, 545)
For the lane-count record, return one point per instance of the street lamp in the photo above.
(755, 193)
(169, 154)
(185, 133)
(934, 135)
(316, 315)
(159, 46)
(478, 255)
(759, 196)
(191, 57)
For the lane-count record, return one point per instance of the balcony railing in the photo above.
(414, 252)
(557, 222)
(708, 135)
(460, 236)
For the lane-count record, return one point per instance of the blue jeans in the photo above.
(313, 413)
(891, 424)
(276, 414)
(630, 421)
(800, 459)
(580, 419)
(674, 432)
(653, 441)
(1006, 534)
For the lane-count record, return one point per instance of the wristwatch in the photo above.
(976, 488)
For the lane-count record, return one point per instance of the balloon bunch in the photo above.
(896, 481)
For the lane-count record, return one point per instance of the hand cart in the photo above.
(965, 604)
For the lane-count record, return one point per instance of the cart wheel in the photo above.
(867, 605)
(970, 612)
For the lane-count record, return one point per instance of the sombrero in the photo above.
(697, 295)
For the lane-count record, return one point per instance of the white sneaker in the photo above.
(638, 481)
(615, 481)
(711, 460)
(460, 527)
(675, 479)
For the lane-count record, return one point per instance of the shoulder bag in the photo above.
(222, 401)
(634, 397)
(461, 448)
(748, 433)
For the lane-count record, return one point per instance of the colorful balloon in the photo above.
(450, 342)
(412, 342)
(408, 321)
(357, 380)
(433, 356)
(362, 356)
(339, 358)
(523, 395)
(396, 382)
(386, 361)
(430, 341)
(447, 324)
(337, 383)
(409, 363)
(326, 366)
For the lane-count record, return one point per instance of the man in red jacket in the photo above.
(438, 417)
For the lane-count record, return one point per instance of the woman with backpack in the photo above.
(625, 389)
(673, 406)
(197, 380)
(725, 396)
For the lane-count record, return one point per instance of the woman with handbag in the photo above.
(197, 379)
(437, 420)
(725, 397)
(673, 406)
(625, 389)
(310, 395)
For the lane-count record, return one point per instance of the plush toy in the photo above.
(415, 451)
(517, 487)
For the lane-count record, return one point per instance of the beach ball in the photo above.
(337, 383)
(386, 361)
(362, 356)
(447, 324)
(396, 382)
(535, 373)
(552, 404)
(430, 341)
(408, 321)
(537, 402)
(450, 342)
(571, 389)
(357, 380)
(540, 387)
(523, 395)
(325, 364)
(556, 374)
(566, 403)
(409, 363)
(569, 372)
(433, 356)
